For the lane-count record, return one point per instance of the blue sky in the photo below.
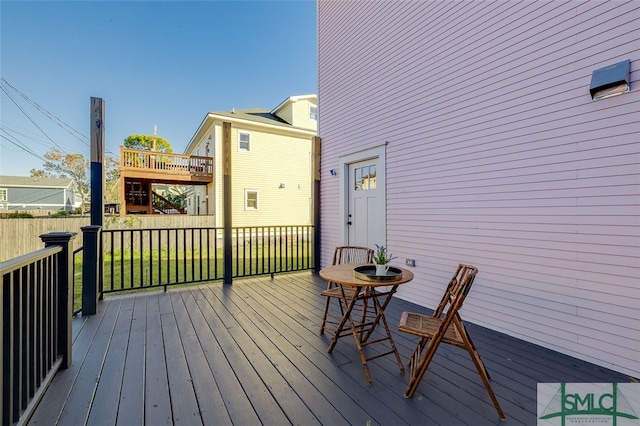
(164, 63)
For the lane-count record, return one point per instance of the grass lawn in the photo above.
(152, 269)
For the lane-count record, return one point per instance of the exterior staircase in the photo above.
(137, 198)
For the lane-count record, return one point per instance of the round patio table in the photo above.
(365, 290)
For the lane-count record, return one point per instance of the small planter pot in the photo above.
(382, 269)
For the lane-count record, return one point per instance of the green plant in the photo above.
(20, 215)
(381, 257)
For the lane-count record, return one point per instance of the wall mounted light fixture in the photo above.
(333, 172)
(282, 185)
(612, 80)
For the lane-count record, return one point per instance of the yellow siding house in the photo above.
(270, 164)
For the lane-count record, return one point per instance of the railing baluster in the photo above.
(208, 253)
(159, 256)
(215, 245)
(193, 260)
(176, 246)
(150, 257)
(257, 250)
(141, 251)
(184, 254)
(35, 340)
(263, 246)
(201, 250)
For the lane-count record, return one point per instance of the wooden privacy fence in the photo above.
(24, 233)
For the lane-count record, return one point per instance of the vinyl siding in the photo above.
(296, 113)
(276, 156)
(301, 116)
(286, 113)
(274, 159)
(25, 198)
(497, 156)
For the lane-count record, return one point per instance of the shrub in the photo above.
(20, 215)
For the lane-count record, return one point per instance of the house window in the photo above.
(365, 178)
(313, 112)
(250, 199)
(244, 141)
(3, 194)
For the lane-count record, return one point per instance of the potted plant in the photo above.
(381, 258)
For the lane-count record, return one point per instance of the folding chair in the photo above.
(444, 326)
(341, 255)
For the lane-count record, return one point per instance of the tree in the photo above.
(146, 142)
(75, 167)
(111, 177)
(37, 173)
(177, 194)
(68, 166)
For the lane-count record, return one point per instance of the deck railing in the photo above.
(166, 163)
(147, 258)
(36, 299)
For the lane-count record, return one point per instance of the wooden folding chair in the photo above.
(342, 254)
(445, 326)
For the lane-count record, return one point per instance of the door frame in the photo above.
(378, 151)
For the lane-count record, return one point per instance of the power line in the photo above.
(11, 139)
(36, 138)
(30, 119)
(73, 132)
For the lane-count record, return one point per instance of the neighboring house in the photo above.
(270, 164)
(477, 122)
(36, 193)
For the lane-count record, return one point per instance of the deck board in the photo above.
(209, 401)
(236, 406)
(244, 359)
(80, 398)
(251, 353)
(110, 381)
(157, 408)
(131, 408)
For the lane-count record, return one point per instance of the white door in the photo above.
(366, 207)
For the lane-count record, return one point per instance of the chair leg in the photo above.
(324, 316)
(482, 369)
(414, 359)
(420, 362)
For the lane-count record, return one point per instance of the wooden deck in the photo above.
(250, 354)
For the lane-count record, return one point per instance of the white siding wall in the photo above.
(286, 113)
(301, 115)
(497, 156)
(275, 158)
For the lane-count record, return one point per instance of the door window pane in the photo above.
(365, 178)
(372, 177)
(358, 180)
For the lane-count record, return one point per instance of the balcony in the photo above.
(161, 167)
(250, 353)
